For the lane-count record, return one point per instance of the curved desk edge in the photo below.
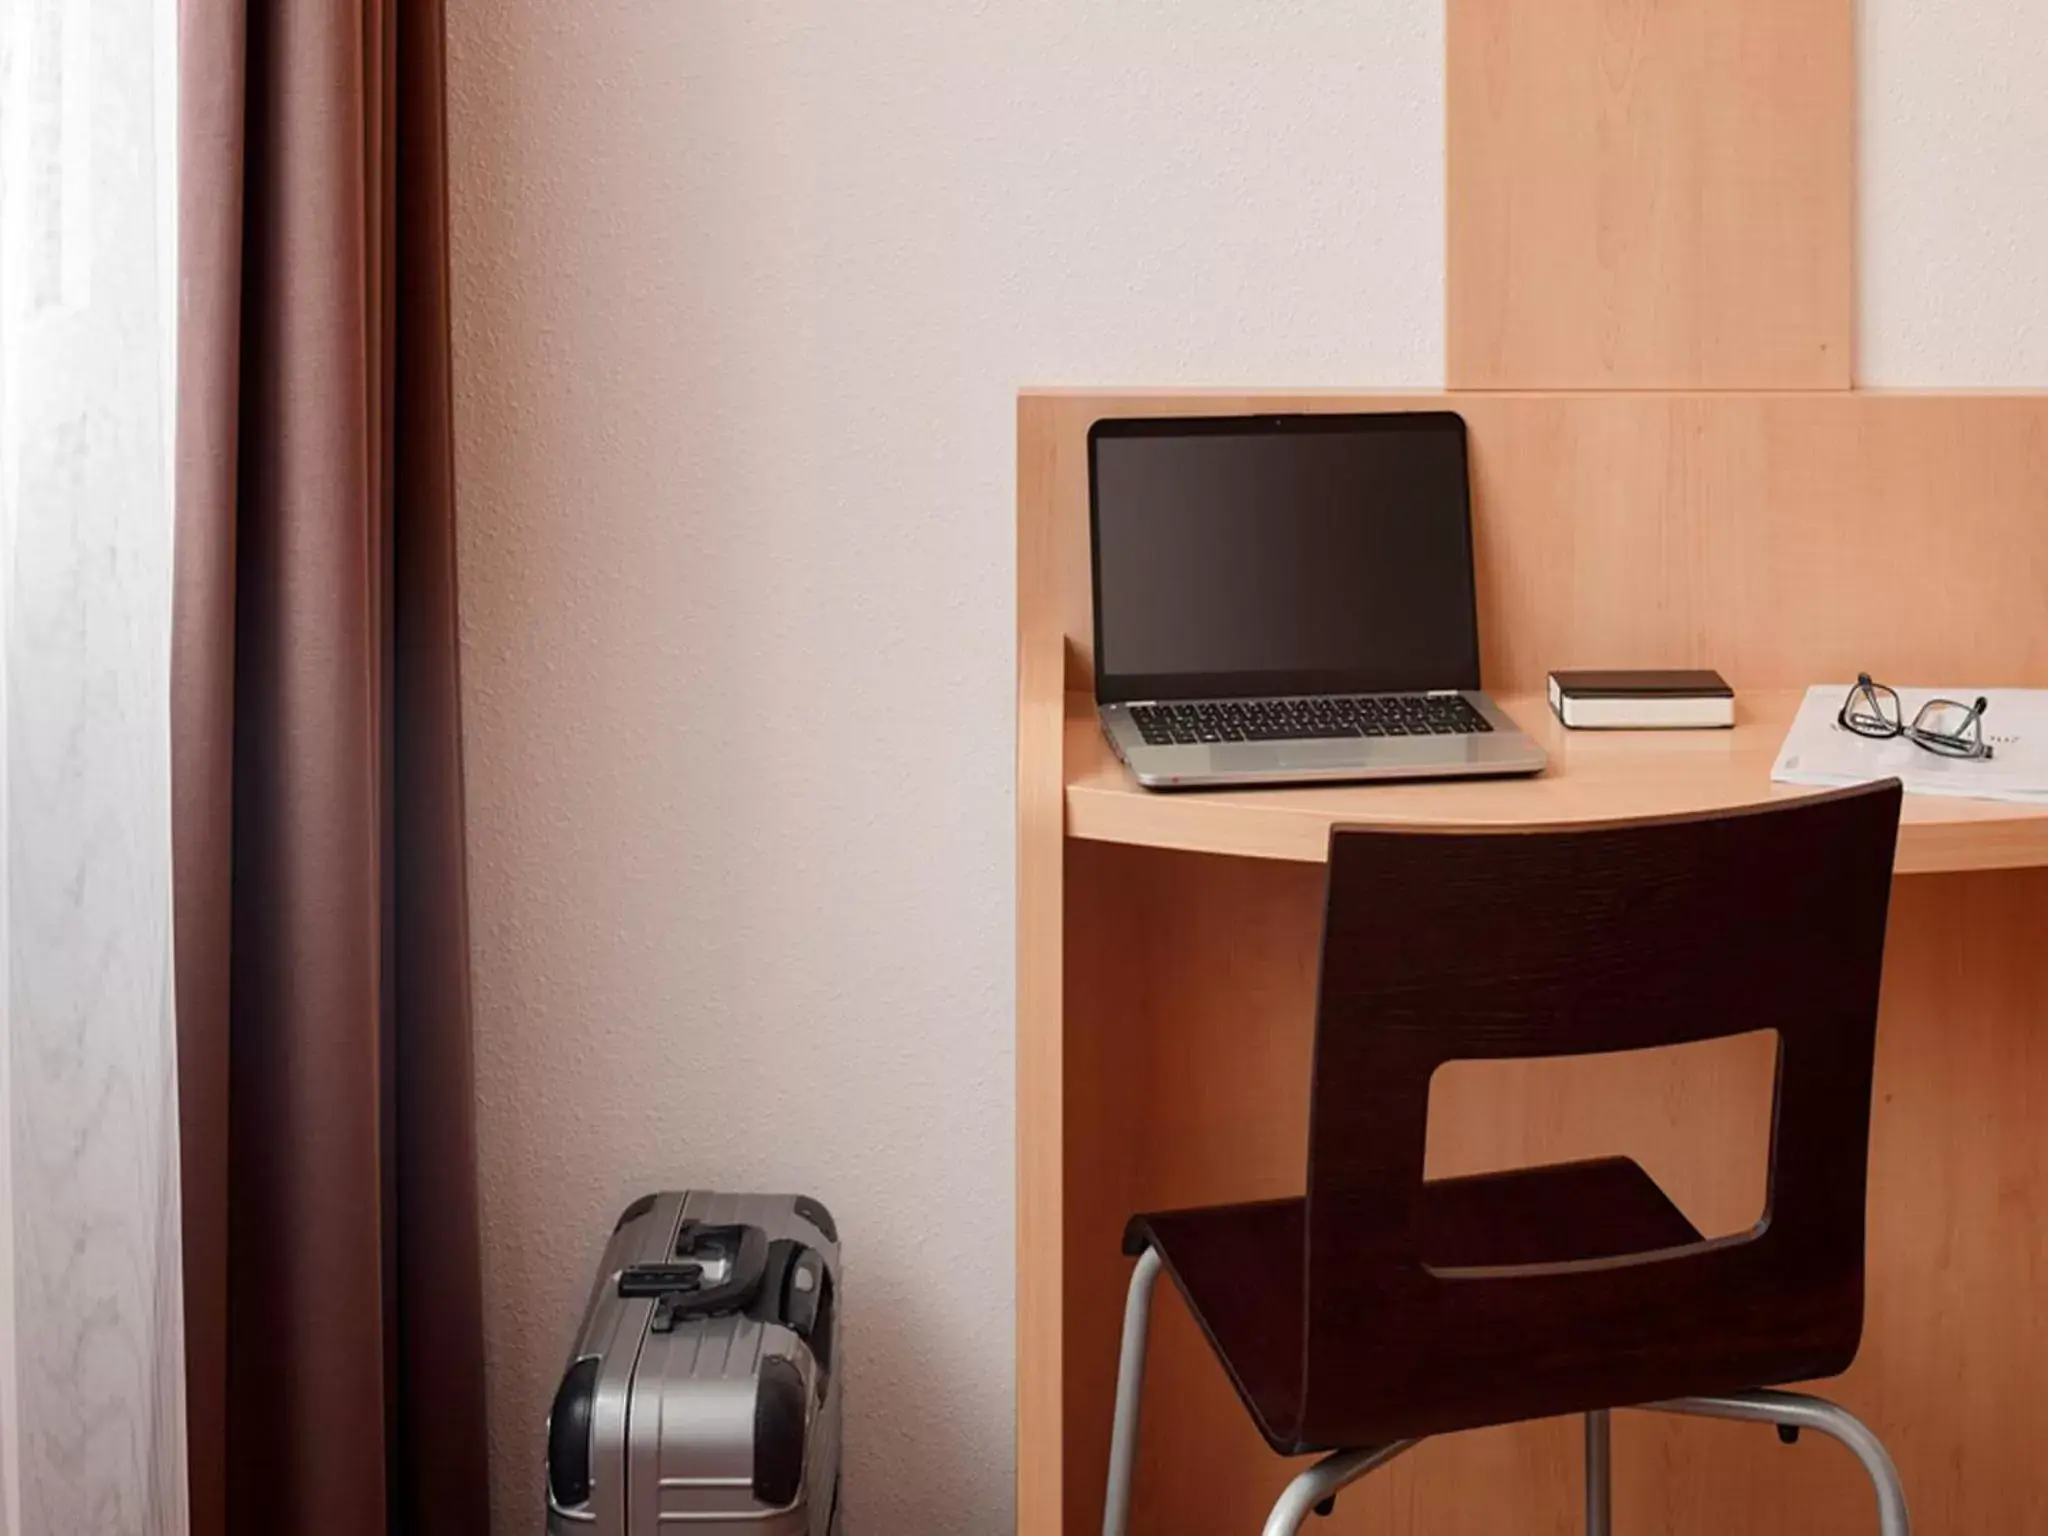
(1593, 776)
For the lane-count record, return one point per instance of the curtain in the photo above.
(90, 1368)
(333, 1308)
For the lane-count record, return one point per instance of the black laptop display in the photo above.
(1252, 571)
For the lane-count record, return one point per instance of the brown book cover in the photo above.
(1699, 684)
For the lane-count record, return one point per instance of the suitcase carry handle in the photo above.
(798, 1294)
(679, 1284)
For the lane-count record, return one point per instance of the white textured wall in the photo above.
(744, 294)
(1953, 200)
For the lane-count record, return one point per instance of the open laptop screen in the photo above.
(1281, 554)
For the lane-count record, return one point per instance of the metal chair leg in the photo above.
(1130, 1390)
(1796, 1410)
(1599, 1473)
(1337, 1470)
(1319, 1482)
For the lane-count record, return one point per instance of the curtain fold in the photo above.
(334, 1309)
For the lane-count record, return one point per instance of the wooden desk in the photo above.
(1167, 949)
(1593, 776)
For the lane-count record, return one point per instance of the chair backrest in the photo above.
(1448, 945)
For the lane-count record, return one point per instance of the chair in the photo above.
(1382, 1307)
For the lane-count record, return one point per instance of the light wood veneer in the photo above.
(1163, 994)
(1785, 538)
(1193, 1006)
(1648, 194)
(1643, 194)
(1593, 776)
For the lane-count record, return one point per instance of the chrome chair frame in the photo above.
(1319, 1485)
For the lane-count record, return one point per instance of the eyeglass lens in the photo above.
(1944, 726)
(1872, 710)
(1948, 726)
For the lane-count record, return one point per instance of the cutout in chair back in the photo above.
(1696, 1117)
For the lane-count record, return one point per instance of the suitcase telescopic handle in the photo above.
(679, 1283)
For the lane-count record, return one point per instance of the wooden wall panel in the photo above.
(1223, 1115)
(1783, 538)
(1216, 958)
(1650, 194)
(1111, 965)
(1697, 1117)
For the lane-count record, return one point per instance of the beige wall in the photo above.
(743, 294)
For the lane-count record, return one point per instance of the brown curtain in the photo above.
(333, 1311)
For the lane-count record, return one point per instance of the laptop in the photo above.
(1289, 599)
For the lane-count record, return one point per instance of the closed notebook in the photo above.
(1657, 701)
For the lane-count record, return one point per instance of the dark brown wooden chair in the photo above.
(1384, 1307)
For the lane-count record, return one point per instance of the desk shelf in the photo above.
(1593, 776)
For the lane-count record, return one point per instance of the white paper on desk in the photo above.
(1818, 750)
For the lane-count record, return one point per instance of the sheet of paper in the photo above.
(1819, 750)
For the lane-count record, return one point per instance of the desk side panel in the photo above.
(1041, 969)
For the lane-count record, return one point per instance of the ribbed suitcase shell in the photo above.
(664, 1432)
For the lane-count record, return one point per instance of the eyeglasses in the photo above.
(1945, 727)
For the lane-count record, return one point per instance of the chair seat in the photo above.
(1239, 1267)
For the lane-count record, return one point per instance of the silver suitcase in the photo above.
(702, 1394)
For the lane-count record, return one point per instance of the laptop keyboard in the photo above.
(1401, 714)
